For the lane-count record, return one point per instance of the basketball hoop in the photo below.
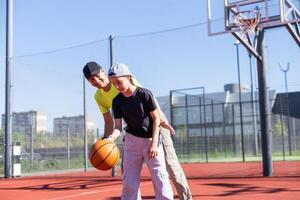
(247, 21)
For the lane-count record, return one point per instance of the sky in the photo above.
(164, 43)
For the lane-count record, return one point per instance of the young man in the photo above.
(104, 96)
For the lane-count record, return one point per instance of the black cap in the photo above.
(90, 69)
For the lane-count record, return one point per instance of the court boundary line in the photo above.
(92, 192)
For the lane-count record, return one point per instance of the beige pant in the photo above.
(173, 167)
(135, 153)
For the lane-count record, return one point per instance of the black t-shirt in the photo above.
(135, 110)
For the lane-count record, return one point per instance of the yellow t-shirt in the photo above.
(104, 99)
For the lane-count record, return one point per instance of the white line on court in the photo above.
(92, 192)
(9, 182)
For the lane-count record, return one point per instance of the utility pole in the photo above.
(114, 169)
(111, 51)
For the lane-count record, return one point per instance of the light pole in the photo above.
(285, 70)
(240, 98)
(253, 107)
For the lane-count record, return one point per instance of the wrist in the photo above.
(154, 142)
(111, 137)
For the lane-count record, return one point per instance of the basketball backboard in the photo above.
(273, 13)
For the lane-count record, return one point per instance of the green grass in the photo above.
(231, 157)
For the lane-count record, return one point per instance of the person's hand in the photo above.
(166, 125)
(152, 152)
(109, 138)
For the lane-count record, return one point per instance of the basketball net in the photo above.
(247, 21)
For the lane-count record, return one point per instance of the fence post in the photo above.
(233, 128)
(224, 130)
(213, 126)
(282, 132)
(68, 146)
(187, 127)
(201, 123)
(205, 129)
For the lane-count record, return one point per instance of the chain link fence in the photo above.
(216, 128)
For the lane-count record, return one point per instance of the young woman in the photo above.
(137, 107)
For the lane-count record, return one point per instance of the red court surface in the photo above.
(207, 181)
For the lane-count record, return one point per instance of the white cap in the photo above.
(118, 70)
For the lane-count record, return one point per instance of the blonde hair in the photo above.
(130, 80)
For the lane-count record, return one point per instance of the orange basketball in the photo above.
(104, 154)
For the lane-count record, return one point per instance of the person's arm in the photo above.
(107, 115)
(154, 143)
(117, 131)
(163, 120)
(108, 124)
